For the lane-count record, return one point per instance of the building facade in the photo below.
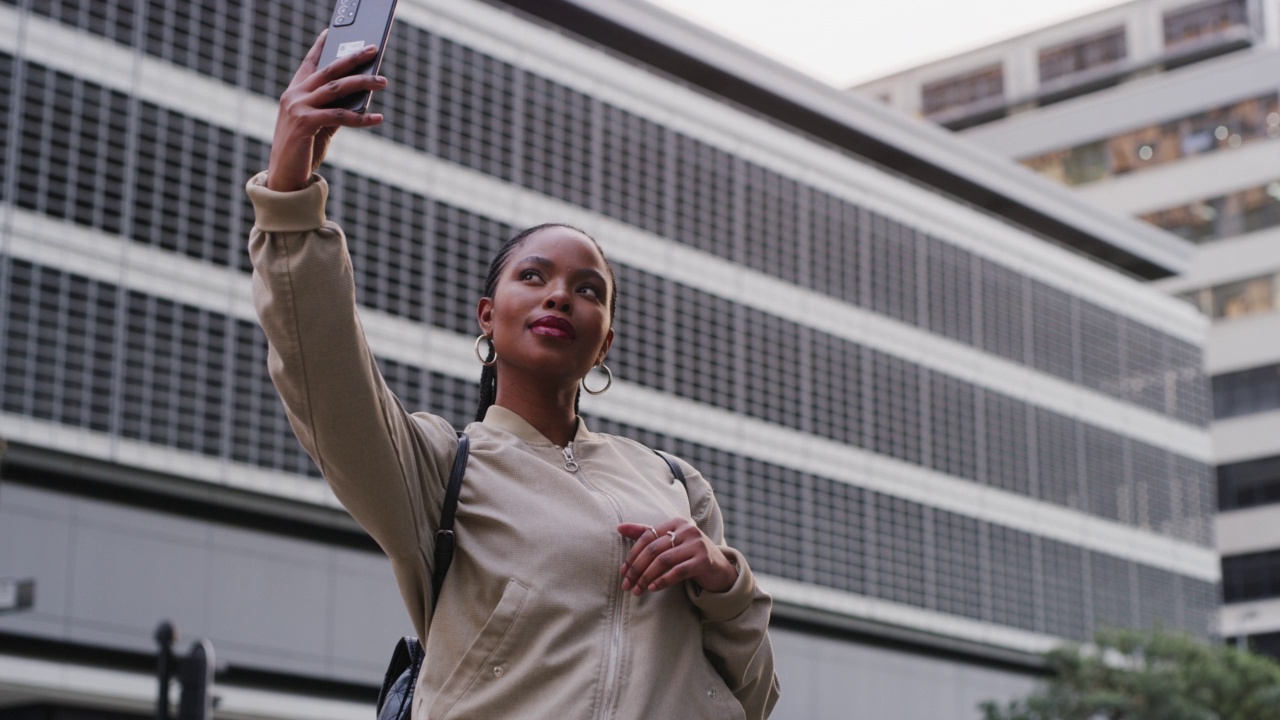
(945, 427)
(1169, 112)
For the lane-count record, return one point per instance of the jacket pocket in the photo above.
(478, 654)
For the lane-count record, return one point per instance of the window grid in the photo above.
(643, 339)
(388, 236)
(960, 586)
(392, 234)
(1113, 591)
(835, 269)
(951, 305)
(704, 197)
(772, 207)
(1013, 579)
(1106, 485)
(893, 386)
(60, 341)
(718, 201)
(634, 165)
(1064, 590)
(557, 158)
(892, 250)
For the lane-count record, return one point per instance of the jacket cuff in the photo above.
(296, 211)
(721, 606)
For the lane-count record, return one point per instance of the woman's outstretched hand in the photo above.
(666, 554)
(304, 126)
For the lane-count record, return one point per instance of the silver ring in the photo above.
(655, 532)
(672, 534)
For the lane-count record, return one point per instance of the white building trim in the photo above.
(1249, 618)
(33, 679)
(1251, 530)
(896, 614)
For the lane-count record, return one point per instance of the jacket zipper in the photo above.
(569, 463)
(615, 649)
(615, 646)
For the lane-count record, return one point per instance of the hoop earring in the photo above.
(493, 352)
(608, 383)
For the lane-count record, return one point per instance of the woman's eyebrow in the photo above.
(538, 260)
(593, 273)
(545, 262)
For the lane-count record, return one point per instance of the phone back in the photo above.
(355, 25)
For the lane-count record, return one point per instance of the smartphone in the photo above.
(357, 24)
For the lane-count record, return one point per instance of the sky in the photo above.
(845, 42)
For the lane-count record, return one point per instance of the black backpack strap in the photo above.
(444, 536)
(674, 465)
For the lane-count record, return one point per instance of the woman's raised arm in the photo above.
(385, 465)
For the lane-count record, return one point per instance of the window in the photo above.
(1255, 576)
(1224, 216)
(1095, 51)
(963, 90)
(1249, 484)
(1222, 128)
(1246, 392)
(1203, 21)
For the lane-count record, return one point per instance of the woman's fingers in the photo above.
(644, 537)
(656, 551)
(679, 573)
(312, 59)
(342, 87)
(341, 68)
(676, 560)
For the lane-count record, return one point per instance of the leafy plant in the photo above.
(1132, 675)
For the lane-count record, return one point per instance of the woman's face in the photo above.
(549, 316)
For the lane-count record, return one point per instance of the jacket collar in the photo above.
(506, 420)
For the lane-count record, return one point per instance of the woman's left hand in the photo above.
(666, 554)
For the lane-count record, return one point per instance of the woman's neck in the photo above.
(550, 412)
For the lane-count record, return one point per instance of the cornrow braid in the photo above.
(489, 375)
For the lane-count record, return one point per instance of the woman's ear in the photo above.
(604, 350)
(484, 315)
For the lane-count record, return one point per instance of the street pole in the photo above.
(165, 635)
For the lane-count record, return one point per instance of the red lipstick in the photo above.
(554, 326)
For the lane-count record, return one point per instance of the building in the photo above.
(948, 425)
(1166, 111)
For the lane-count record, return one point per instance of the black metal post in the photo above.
(165, 635)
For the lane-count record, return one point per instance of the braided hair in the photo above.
(489, 375)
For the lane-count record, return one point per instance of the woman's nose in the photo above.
(557, 300)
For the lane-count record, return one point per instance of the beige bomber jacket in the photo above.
(532, 622)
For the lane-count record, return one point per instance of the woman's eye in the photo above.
(591, 290)
(529, 274)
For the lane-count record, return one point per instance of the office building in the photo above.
(1166, 111)
(949, 421)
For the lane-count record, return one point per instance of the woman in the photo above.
(588, 583)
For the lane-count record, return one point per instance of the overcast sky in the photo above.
(844, 42)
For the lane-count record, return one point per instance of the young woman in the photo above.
(588, 582)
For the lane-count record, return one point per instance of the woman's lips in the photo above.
(554, 326)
